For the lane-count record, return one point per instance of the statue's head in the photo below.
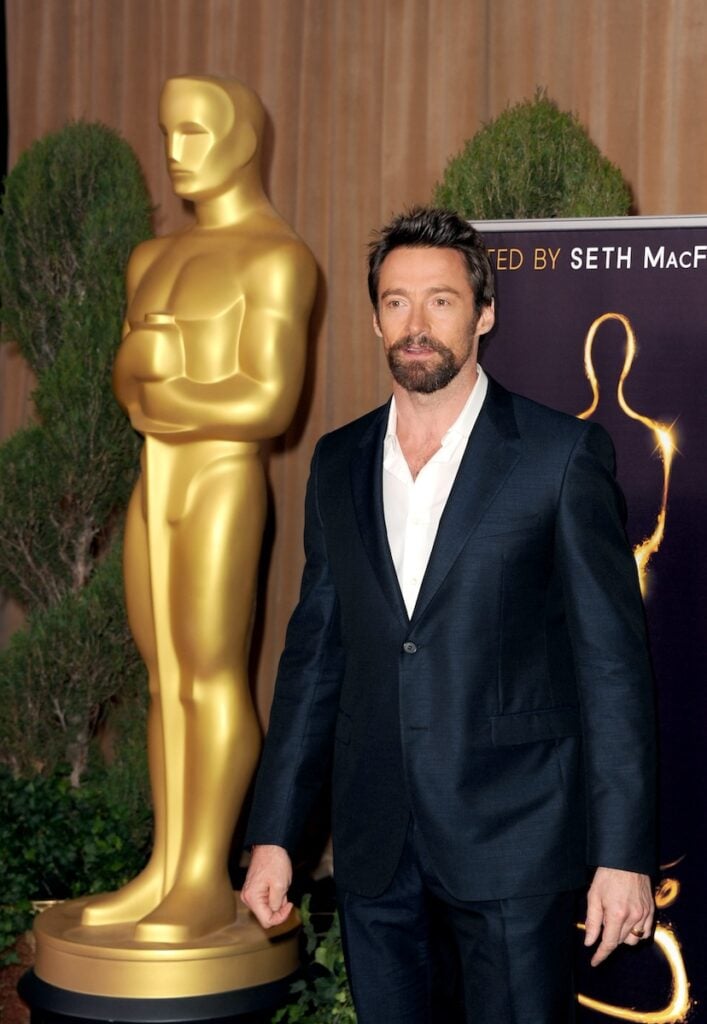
(213, 129)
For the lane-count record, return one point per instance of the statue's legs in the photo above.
(214, 555)
(144, 892)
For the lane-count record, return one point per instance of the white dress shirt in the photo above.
(413, 508)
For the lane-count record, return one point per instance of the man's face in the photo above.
(201, 139)
(427, 319)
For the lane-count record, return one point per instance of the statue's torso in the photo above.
(206, 281)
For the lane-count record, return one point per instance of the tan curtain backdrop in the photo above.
(367, 99)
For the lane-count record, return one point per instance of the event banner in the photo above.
(607, 320)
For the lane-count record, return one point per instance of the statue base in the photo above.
(51, 1005)
(84, 966)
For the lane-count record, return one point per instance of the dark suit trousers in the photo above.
(514, 956)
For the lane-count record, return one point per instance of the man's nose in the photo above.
(417, 319)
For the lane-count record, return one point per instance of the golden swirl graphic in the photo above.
(666, 893)
(662, 432)
(669, 889)
(679, 1004)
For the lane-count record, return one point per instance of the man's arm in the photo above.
(299, 744)
(607, 628)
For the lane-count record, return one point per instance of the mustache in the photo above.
(418, 341)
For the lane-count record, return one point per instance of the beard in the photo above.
(422, 377)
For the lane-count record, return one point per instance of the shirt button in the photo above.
(409, 647)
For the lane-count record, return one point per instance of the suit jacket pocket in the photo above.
(531, 726)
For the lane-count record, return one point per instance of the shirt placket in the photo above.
(417, 528)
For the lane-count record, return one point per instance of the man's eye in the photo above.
(441, 301)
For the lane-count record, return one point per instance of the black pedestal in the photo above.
(52, 1005)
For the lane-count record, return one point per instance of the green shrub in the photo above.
(72, 685)
(64, 672)
(74, 207)
(59, 841)
(534, 160)
(323, 996)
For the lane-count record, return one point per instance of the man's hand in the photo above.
(265, 888)
(620, 907)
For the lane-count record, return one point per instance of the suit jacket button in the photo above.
(409, 647)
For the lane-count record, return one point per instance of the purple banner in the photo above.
(608, 320)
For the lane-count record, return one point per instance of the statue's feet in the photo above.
(188, 913)
(131, 903)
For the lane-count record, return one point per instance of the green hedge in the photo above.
(58, 841)
(74, 207)
(73, 777)
(533, 161)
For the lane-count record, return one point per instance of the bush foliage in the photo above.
(74, 207)
(60, 841)
(323, 995)
(534, 160)
(71, 682)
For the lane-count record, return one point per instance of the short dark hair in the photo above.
(431, 227)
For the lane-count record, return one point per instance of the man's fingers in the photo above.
(265, 888)
(614, 934)
(646, 925)
(269, 910)
(601, 954)
(640, 930)
(611, 936)
(257, 903)
(620, 908)
(278, 916)
(276, 895)
(592, 924)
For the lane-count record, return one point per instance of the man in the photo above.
(469, 644)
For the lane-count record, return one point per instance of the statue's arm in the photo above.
(130, 361)
(259, 399)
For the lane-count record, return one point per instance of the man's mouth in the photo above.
(417, 346)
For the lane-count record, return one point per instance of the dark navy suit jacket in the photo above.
(512, 714)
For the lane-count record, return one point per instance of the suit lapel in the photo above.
(491, 453)
(367, 489)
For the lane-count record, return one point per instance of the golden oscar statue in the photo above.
(211, 363)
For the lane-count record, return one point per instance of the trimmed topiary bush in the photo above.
(72, 686)
(534, 160)
(74, 207)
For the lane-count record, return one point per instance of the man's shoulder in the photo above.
(541, 421)
(356, 432)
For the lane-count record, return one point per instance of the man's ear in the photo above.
(487, 318)
(376, 324)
